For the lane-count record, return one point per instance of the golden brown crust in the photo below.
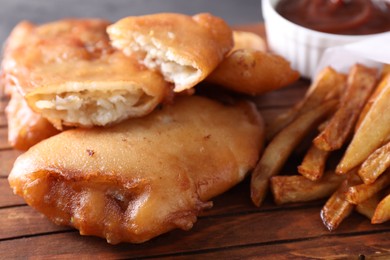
(145, 176)
(248, 40)
(197, 43)
(253, 72)
(74, 58)
(25, 127)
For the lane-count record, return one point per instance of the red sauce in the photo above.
(351, 17)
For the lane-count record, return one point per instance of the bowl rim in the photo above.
(270, 5)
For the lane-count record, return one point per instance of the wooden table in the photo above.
(233, 228)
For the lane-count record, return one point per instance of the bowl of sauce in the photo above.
(301, 30)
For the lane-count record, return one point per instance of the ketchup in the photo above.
(351, 17)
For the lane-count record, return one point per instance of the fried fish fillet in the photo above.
(142, 177)
(248, 40)
(184, 49)
(70, 74)
(25, 127)
(253, 72)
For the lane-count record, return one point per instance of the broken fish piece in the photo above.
(70, 74)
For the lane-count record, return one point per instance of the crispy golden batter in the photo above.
(25, 127)
(185, 49)
(143, 177)
(253, 72)
(68, 72)
(248, 40)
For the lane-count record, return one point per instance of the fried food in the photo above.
(70, 74)
(363, 103)
(143, 177)
(327, 85)
(279, 149)
(385, 69)
(337, 207)
(184, 49)
(377, 91)
(376, 164)
(367, 207)
(372, 133)
(25, 127)
(382, 211)
(253, 72)
(313, 164)
(359, 193)
(360, 84)
(248, 40)
(296, 188)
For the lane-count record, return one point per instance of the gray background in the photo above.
(39, 11)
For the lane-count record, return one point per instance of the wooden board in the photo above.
(233, 228)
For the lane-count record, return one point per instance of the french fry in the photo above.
(367, 207)
(373, 131)
(280, 148)
(337, 208)
(313, 164)
(327, 85)
(361, 82)
(323, 125)
(296, 188)
(382, 211)
(359, 193)
(375, 164)
(368, 105)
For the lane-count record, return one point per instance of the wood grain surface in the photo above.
(232, 229)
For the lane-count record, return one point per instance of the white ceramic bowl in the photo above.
(301, 46)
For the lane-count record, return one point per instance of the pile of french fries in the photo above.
(348, 115)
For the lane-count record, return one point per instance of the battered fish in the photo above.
(143, 177)
(184, 49)
(25, 127)
(248, 40)
(253, 72)
(70, 74)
